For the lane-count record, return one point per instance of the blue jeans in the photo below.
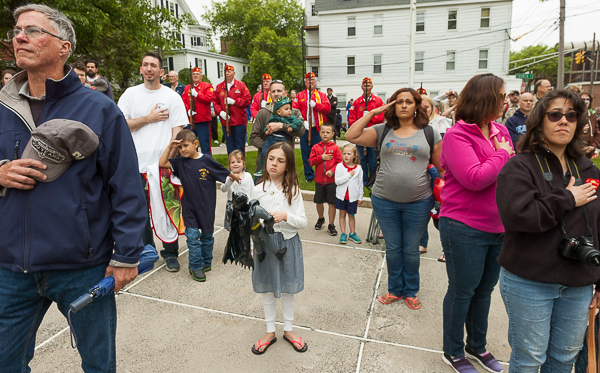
(367, 162)
(402, 225)
(309, 173)
(201, 248)
(236, 139)
(425, 237)
(271, 140)
(547, 323)
(24, 300)
(202, 132)
(472, 274)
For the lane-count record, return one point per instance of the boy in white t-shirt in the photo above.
(155, 114)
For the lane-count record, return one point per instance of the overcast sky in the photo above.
(582, 20)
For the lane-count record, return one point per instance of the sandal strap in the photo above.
(298, 342)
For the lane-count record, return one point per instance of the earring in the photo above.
(415, 113)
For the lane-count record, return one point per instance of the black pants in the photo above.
(214, 129)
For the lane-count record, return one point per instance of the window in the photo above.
(177, 10)
(315, 70)
(171, 64)
(450, 61)
(313, 10)
(244, 69)
(419, 61)
(219, 70)
(452, 17)
(420, 21)
(352, 26)
(483, 59)
(378, 24)
(197, 63)
(342, 102)
(205, 67)
(350, 65)
(381, 96)
(172, 8)
(485, 18)
(198, 41)
(183, 40)
(377, 64)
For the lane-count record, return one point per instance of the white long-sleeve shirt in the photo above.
(244, 186)
(352, 183)
(272, 199)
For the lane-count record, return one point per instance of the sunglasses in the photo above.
(276, 81)
(555, 116)
(503, 96)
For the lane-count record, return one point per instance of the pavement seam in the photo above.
(51, 338)
(362, 339)
(376, 288)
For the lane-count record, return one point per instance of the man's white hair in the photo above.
(60, 22)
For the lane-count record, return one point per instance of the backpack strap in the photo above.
(386, 129)
(429, 136)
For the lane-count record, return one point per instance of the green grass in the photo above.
(251, 166)
(596, 162)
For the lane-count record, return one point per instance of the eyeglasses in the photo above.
(31, 32)
(555, 116)
(503, 96)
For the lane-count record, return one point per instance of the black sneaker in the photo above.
(331, 230)
(319, 224)
(172, 264)
(206, 268)
(198, 275)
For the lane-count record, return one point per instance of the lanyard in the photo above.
(548, 176)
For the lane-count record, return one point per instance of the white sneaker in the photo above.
(223, 145)
(216, 142)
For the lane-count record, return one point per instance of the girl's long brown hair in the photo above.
(290, 183)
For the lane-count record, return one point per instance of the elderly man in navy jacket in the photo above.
(60, 238)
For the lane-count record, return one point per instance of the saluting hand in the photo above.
(381, 109)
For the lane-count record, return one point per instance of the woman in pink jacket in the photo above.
(474, 151)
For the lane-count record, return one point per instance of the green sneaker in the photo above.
(343, 239)
(354, 238)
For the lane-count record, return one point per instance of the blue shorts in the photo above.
(346, 205)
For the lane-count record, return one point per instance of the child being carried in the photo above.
(282, 114)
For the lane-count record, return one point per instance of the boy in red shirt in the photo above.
(325, 156)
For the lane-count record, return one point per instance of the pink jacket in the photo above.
(472, 164)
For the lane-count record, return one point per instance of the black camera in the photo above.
(582, 249)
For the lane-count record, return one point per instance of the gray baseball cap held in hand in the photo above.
(59, 142)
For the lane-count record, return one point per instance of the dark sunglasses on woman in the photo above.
(555, 116)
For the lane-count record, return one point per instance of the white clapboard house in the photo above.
(194, 49)
(347, 40)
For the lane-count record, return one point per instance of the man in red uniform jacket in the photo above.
(317, 104)
(238, 100)
(258, 102)
(203, 94)
(362, 106)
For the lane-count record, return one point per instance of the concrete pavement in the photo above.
(169, 323)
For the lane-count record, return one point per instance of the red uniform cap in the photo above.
(267, 76)
(196, 70)
(421, 91)
(309, 75)
(229, 68)
(367, 80)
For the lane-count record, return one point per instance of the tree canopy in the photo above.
(116, 33)
(266, 32)
(547, 69)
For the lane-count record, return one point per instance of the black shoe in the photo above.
(172, 264)
(198, 275)
(206, 268)
(331, 230)
(319, 224)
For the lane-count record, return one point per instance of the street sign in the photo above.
(524, 76)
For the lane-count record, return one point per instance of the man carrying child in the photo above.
(325, 156)
(198, 174)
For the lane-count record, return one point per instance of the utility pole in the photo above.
(411, 47)
(593, 66)
(560, 84)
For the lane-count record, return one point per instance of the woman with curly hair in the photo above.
(402, 196)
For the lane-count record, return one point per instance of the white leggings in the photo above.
(287, 303)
